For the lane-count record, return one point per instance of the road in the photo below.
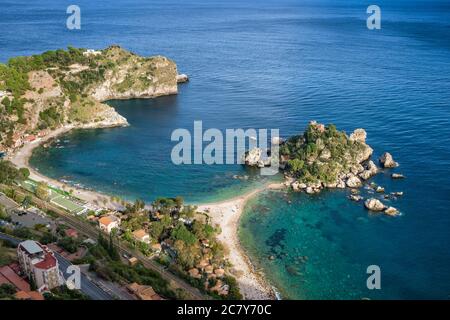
(88, 287)
(92, 232)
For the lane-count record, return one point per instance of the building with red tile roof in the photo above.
(40, 264)
(14, 279)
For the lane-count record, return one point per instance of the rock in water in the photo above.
(374, 205)
(397, 176)
(355, 197)
(182, 78)
(391, 211)
(353, 182)
(387, 161)
(371, 170)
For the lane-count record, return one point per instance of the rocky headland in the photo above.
(62, 88)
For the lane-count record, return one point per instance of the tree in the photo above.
(156, 229)
(42, 191)
(7, 172)
(24, 172)
(182, 233)
(179, 201)
(7, 291)
(112, 250)
(26, 201)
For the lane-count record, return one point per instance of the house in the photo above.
(156, 247)
(7, 275)
(30, 138)
(39, 263)
(30, 295)
(109, 222)
(91, 52)
(42, 133)
(143, 292)
(141, 235)
(71, 233)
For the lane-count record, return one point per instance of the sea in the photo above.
(276, 64)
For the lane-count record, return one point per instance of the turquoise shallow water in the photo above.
(277, 64)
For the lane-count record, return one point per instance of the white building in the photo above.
(107, 223)
(90, 52)
(141, 235)
(40, 264)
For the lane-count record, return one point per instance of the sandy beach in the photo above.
(227, 214)
(21, 159)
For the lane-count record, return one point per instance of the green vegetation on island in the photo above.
(63, 87)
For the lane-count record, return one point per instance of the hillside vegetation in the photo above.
(68, 87)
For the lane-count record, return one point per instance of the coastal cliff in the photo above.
(68, 88)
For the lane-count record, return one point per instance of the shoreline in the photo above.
(21, 158)
(225, 213)
(252, 283)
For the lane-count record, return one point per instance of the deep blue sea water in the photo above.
(277, 64)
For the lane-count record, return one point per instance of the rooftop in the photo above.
(140, 234)
(30, 246)
(14, 279)
(48, 262)
(107, 220)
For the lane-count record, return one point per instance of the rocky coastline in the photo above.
(324, 158)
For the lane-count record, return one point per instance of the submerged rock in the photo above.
(391, 211)
(355, 197)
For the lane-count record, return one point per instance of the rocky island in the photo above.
(323, 157)
(61, 88)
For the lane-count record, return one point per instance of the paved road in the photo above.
(87, 287)
(92, 233)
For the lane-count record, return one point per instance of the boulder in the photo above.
(391, 211)
(379, 189)
(341, 184)
(374, 205)
(397, 176)
(364, 154)
(297, 186)
(353, 182)
(355, 197)
(370, 170)
(182, 78)
(310, 190)
(359, 135)
(387, 161)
